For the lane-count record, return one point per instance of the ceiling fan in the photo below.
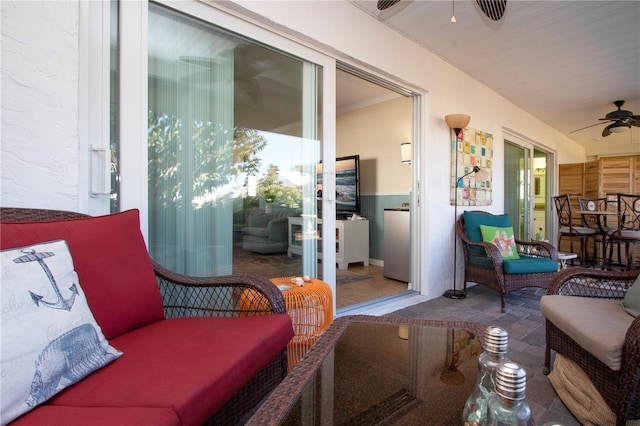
(493, 9)
(620, 120)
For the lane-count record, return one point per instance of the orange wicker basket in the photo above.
(311, 310)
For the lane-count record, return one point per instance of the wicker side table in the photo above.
(310, 307)
(311, 310)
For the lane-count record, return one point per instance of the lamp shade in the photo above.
(457, 121)
(405, 152)
(482, 174)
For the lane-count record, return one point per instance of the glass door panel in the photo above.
(517, 178)
(232, 150)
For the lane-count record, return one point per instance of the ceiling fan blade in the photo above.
(386, 4)
(607, 131)
(577, 130)
(635, 121)
(493, 9)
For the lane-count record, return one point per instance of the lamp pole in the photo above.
(454, 293)
(456, 122)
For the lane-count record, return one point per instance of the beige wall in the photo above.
(375, 133)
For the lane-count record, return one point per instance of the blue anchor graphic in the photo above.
(62, 303)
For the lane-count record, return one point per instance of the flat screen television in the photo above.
(347, 185)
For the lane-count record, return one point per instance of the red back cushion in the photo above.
(113, 266)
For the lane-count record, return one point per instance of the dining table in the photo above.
(601, 229)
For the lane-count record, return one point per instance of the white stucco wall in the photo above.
(39, 163)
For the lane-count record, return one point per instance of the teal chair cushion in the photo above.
(524, 265)
(473, 220)
(529, 265)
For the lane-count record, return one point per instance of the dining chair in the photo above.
(627, 232)
(596, 221)
(566, 227)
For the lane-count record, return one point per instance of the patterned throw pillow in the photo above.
(50, 339)
(501, 238)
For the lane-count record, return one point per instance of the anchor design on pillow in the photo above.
(30, 255)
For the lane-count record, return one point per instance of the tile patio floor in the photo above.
(525, 325)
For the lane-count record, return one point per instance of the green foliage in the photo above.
(187, 163)
(272, 190)
(269, 187)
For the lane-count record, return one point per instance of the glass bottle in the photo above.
(508, 407)
(475, 409)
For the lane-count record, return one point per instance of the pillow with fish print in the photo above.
(50, 339)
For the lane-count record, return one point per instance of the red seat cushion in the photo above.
(54, 415)
(193, 365)
(111, 259)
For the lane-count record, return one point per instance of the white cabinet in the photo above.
(352, 240)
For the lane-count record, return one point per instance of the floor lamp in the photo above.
(457, 122)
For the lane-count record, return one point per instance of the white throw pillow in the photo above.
(50, 339)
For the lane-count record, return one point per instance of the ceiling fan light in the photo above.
(619, 128)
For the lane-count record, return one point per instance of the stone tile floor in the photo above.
(525, 325)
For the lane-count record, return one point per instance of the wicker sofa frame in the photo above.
(495, 278)
(620, 389)
(208, 294)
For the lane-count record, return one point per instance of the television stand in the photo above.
(352, 240)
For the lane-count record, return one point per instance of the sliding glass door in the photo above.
(218, 140)
(517, 188)
(233, 144)
(526, 193)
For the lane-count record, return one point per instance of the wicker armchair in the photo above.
(620, 389)
(478, 269)
(208, 296)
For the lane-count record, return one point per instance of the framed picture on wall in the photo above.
(472, 148)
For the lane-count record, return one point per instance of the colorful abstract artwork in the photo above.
(471, 148)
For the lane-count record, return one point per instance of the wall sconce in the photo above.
(405, 152)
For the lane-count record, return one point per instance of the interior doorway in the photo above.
(373, 120)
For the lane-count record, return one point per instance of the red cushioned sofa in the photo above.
(191, 355)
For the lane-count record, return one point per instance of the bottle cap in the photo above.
(511, 381)
(496, 339)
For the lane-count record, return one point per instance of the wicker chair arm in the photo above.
(229, 295)
(630, 373)
(537, 249)
(21, 215)
(585, 282)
